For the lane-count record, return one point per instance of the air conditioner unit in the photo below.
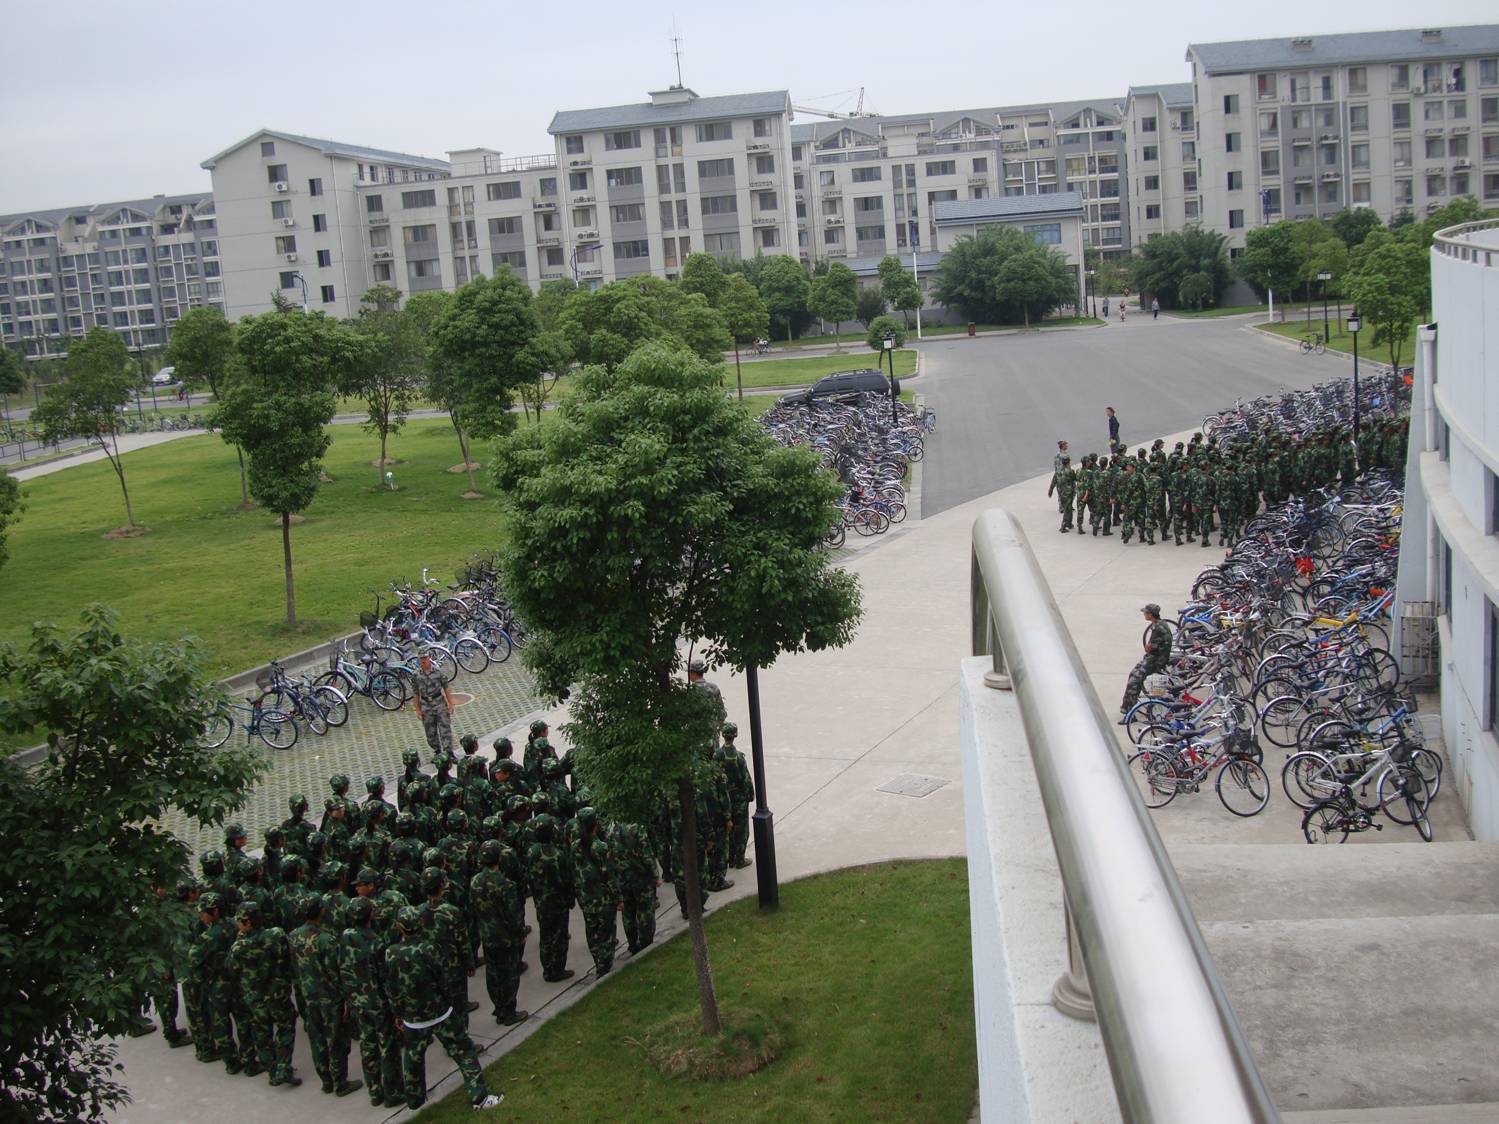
(581, 162)
(1464, 163)
(288, 222)
(582, 198)
(833, 220)
(282, 186)
(382, 255)
(291, 257)
(1418, 89)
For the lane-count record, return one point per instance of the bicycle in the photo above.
(319, 706)
(274, 727)
(1164, 768)
(1332, 820)
(1313, 344)
(365, 676)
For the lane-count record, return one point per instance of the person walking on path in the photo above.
(434, 706)
(1106, 309)
(1157, 655)
(1113, 429)
(1121, 310)
(1155, 309)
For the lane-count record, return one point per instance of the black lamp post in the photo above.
(762, 820)
(1354, 324)
(889, 350)
(581, 247)
(1324, 277)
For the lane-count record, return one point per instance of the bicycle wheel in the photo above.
(1423, 825)
(472, 656)
(339, 681)
(1155, 777)
(1325, 822)
(863, 522)
(1280, 719)
(276, 729)
(1243, 787)
(898, 510)
(836, 535)
(310, 711)
(387, 690)
(335, 705)
(1306, 347)
(1308, 779)
(217, 729)
(1319, 347)
(1146, 713)
(1429, 765)
(496, 642)
(1403, 795)
(442, 662)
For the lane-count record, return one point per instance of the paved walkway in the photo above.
(841, 729)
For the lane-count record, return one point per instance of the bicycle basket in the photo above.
(367, 619)
(265, 680)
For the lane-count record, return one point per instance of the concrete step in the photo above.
(1485, 1113)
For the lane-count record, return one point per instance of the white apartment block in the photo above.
(1162, 159)
(291, 219)
(132, 266)
(1393, 120)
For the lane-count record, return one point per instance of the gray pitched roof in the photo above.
(336, 148)
(1362, 46)
(1172, 93)
(936, 122)
(53, 216)
(926, 261)
(644, 113)
(1009, 207)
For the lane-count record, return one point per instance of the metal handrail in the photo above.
(1174, 1044)
(1454, 242)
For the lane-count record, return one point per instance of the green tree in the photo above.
(1165, 261)
(702, 273)
(393, 376)
(784, 288)
(1037, 280)
(483, 342)
(653, 512)
(12, 503)
(12, 379)
(1110, 275)
(1195, 288)
(880, 327)
(870, 304)
(277, 403)
(82, 849)
(834, 296)
(202, 342)
(1271, 260)
(1391, 289)
(552, 350)
(100, 381)
(745, 316)
(977, 279)
(606, 325)
(899, 287)
(1352, 224)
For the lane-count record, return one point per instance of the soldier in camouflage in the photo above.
(741, 792)
(361, 964)
(434, 706)
(597, 884)
(637, 886)
(501, 913)
(260, 965)
(551, 889)
(315, 958)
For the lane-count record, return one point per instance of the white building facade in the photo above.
(1449, 558)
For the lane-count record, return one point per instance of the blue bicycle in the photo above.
(274, 727)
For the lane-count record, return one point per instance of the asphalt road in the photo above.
(1003, 402)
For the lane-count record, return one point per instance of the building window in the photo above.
(411, 200)
(275, 173)
(1236, 220)
(319, 224)
(625, 138)
(280, 209)
(1152, 183)
(1152, 210)
(1358, 118)
(724, 245)
(832, 236)
(500, 228)
(287, 280)
(514, 259)
(866, 175)
(715, 169)
(314, 187)
(412, 235)
(942, 167)
(1400, 115)
(1358, 80)
(1230, 103)
(1358, 156)
(324, 260)
(1269, 123)
(1150, 153)
(327, 292)
(1235, 181)
(869, 233)
(715, 131)
(573, 145)
(286, 244)
(267, 148)
(1147, 124)
(720, 204)
(1264, 87)
(623, 177)
(373, 204)
(627, 212)
(635, 248)
(577, 181)
(1232, 142)
(1432, 111)
(1048, 233)
(509, 189)
(868, 204)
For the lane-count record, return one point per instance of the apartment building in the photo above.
(134, 266)
(868, 186)
(1057, 219)
(292, 219)
(1301, 127)
(1162, 159)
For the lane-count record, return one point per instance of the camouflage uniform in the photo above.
(446, 932)
(419, 1000)
(1204, 499)
(1155, 502)
(315, 956)
(360, 966)
(637, 885)
(598, 888)
(297, 827)
(260, 964)
(437, 722)
(209, 989)
(1132, 501)
(501, 913)
(742, 791)
(551, 890)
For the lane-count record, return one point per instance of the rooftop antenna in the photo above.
(676, 50)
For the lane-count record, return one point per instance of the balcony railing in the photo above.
(1137, 960)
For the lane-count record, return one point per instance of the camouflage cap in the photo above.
(456, 818)
(730, 730)
(507, 765)
(295, 864)
(541, 743)
(450, 792)
(333, 803)
(210, 901)
(408, 919)
(316, 839)
(502, 745)
(553, 768)
(374, 784)
(493, 825)
(338, 782)
(584, 794)
(433, 880)
(330, 872)
(518, 803)
(410, 757)
(490, 852)
(431, 856)
(274, 835)
(587, 816)
(360, 910)
(696, 666)
(313, 907)
(233, 831)
(468, 743)
(538, 726)
(368, 875)
(539, 800)
(405, 822)
(298, 802)
(249, 913)
(443, 759)
(186, 886)
(212, 858)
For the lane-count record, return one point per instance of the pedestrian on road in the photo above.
(1157, 655)
(1057, 464)
(1105, 308)
(434, 706)
(1121, 310)
(1155, 309)
(1113, 429)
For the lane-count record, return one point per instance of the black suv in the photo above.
(843, 383)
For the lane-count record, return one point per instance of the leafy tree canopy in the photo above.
(784, 288)
(202, 342)
(606, 325)
(702, 273)
(1165, 261)
(1002, 276)
(880, 327)
(483, 341)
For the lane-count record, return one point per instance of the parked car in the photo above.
(842, 383)
(164, 377)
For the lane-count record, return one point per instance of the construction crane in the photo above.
(838, 115)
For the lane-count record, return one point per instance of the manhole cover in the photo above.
(460, 698)
(912, 784)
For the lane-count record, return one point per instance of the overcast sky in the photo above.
(104, 101)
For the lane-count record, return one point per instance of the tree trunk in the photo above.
(120, 472)
(244, 483)
(738, 377)
(837, 343)
(380, 470)
(707, 998)
(463, 448)
(291, 596)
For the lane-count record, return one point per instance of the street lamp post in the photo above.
(762, 820)
(1092, 293)
(889, 350)
(1324, 277)
(578, 249)
(302, 281)
(140, 357)
(1354, 324)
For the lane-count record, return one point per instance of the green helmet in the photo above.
(210, 901)
(411, 758)
(212, 858)
(538, 727)
(518, 803)
(339, 783)
(490, 852)
(408, 919)
(456, 819)
(468, 743)
(730, 730)
(502, 745)
(232, 832)
(374, 784)
(298, 802)
(368, 875)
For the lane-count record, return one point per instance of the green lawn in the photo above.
(1342, 341)
(867, 972)
(799, 372)
(214, 572)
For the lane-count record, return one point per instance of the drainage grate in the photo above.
(912, 784)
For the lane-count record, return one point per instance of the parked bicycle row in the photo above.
(867, 444)
(469, 625)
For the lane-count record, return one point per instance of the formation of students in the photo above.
(1203, 486)
(369, 924)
